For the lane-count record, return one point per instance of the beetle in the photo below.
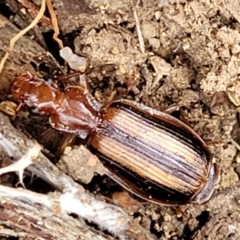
(150, 153)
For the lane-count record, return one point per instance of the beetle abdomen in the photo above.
(150, 155)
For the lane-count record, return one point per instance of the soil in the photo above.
(189, 57)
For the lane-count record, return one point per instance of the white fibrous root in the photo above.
(69, 198)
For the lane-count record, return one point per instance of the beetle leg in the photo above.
(58, 147)
(234, 143)
(183, 117)
(171, 109)
(126, 201)
(131, 81)
(175, 108)
(19, 106)
(180, 212)
(67, 76)
(110, 99)
(67, 140)
(56, 122)
(81, 81)
(212, 143)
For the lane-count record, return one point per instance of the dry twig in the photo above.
(33, 11)
(39, 217)
(139, 31)
(72, 199)
(21, 33)
(54, 23)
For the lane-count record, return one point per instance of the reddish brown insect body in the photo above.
(150, 153)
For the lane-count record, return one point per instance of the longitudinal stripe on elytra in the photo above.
(157, 155)
(181, 135)
(161, 138)
(138, 159)
(129, 121)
